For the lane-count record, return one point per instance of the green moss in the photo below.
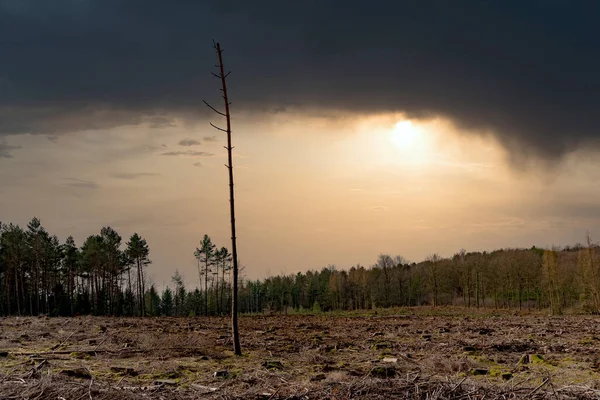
(235, 372)
(187, 368)
(480, 358)
(168, 375)
(273, 365)
(271, 329)
(384, 353)
(500, 373)
(80, 356)
(536, 359)
(588, 341)
(123, 371)
(479, 371)
(381, 345)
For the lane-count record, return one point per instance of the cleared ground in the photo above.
(409, 353)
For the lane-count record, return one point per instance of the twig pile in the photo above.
(59, 387)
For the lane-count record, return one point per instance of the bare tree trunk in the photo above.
(477, 288)
(23, 289)
(206, 285)
(199, 274)
(37, 281)
(234, 287)
(483, 295)
(17, 291)
(7, 286)
(216, 302)
(71, 289)
(217, 289)
(141, 287)
(223, 288)
(129, 279)
(143, 283)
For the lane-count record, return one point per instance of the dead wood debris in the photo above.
(405, 387)
(496, 356)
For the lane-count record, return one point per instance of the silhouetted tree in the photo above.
(166, 302)
(234, 286)
(205, 254)
(180, 294)
(138, 253)
(71, 263)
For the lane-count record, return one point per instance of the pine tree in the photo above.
(166, 302)
(137, 253)
(180, 293)
(71, 263)
(205, 255)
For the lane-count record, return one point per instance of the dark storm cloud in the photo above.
(525, 70)
(161, 122)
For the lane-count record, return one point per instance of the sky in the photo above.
(359, 128)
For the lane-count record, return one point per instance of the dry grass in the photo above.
(302, 357)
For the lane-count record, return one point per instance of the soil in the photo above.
(416, 353)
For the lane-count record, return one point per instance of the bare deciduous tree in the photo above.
(433, 276)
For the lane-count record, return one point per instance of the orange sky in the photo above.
(312, 189)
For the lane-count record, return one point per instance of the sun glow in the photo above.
(405, 136)
(395, 141)
(411, 143)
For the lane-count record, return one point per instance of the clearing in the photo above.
(405, 353)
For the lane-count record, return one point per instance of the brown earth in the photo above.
(409, 353)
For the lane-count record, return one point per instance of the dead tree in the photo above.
(234, 287)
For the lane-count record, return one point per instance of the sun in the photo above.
(411, 143)
(405, 136)
(396, 141)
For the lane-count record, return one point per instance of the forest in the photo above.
(107, 276)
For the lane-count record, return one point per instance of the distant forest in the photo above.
(105, 276)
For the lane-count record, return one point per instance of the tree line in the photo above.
(534, 278)
(104, 276)
(40, 275)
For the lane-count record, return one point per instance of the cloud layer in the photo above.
(188, 153)
(526, 71)
(188, 142)
(6, 149)
(81, 184)
(133, 175)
